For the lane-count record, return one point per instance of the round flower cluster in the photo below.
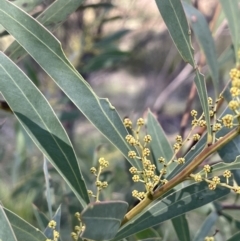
(216, 127)
(207, 168)
(138, 195)
(234, 104)
(227, 121)
(103, 163)
(52, 224)
(198, 122)
(101, 184)
(127, 122)
(181, 160)
(196, 137)
(197, 178)
(132, 154)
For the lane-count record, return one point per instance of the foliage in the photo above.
(176, 176)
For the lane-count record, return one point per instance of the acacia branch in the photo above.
(180, 177)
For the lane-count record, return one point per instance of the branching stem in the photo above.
(180, 177)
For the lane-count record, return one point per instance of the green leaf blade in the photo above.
(46, 50)
(26, 6)
(105, 217)
(173, 205)
(180, 225)
(231, 10)
(175, 19)
(42, 125)
(6, 231)
(22, 229)
(204, 38)
(51, 18)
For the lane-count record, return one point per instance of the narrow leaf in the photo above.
(159, 145)
(173, 205)
(22, 229)
(26, 5)
(6, 231)
(231, 10)
(47, 51)
(51, 18)
(204, 38)
(175, 19)
(180, 225)
(42, 125)
(105, 217)
(206, 227)
(231, 150)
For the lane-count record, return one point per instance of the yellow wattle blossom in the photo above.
(127, 122)
(212, 186)
(227, 121)
(140, 122)
(136, 178)
(161, 160)
(216, 180)
(210, 101)
(52, 224)
(197, 178)
(146, 152)
(178, 139)
(194, 113)
(234, 73)
(207, 168)
(181, 160)
(227, 173)
(103, 163)
(196, 137)
(132, 154)
(235, 91)
(233, 105)
(236, 82)
(133, 170)
(147, 138)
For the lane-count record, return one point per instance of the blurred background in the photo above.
(124, 51)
